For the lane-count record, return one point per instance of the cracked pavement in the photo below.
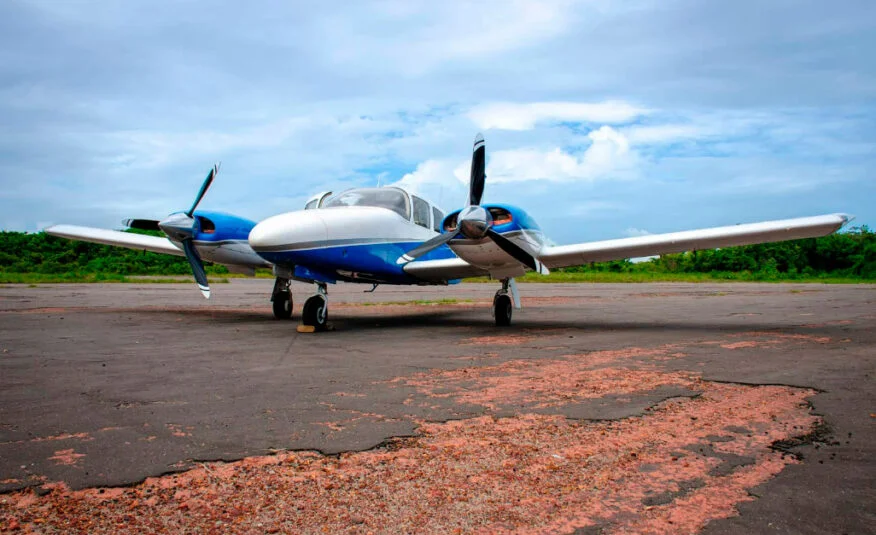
(727, 408)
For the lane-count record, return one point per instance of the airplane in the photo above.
(388, 235)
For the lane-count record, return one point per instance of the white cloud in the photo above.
(514, 116)
(608, 156)
(443, 182)
(634, 232)
(664, 133)
(416, 37)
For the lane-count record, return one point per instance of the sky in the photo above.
(603, 119)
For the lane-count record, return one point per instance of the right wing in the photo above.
(692, 240)
(139, 242)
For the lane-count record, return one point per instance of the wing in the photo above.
(443, 270)
(139, 242)
(677, 242)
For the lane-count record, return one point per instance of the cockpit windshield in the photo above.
(394, 199)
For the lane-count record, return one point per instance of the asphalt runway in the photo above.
(720, 408)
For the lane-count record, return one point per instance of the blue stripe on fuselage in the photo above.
(377, 260)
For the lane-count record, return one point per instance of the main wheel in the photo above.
(315, 312)
(283, 305)
(502, 309)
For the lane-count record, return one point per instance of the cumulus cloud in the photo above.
(517, 116)
(444, 182)
(608, 156)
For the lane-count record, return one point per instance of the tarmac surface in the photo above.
(667, 407)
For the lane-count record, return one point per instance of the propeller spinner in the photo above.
(474, 221)
(181, 227)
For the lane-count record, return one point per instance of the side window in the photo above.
(437, 218)
(421, 212)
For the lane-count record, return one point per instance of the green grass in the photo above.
(557, 276)
(33, 279)
(641, 277)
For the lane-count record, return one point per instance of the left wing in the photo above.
(129, 240)
(691, 240)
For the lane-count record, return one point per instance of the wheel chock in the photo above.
(311, 329)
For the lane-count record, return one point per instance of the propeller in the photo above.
(474, 221)
(181, 227)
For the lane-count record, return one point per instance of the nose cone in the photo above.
(474, 221)
(178, 226)
(286, 232)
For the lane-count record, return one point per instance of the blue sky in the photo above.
(602, 119)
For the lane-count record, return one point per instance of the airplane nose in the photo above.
(285, 232)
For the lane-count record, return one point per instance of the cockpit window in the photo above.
(311, 205)
(391, 198)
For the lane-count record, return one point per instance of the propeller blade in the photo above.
(517, 252)
(204, 186)
(425, 247)
(197, 266)
(478, 176)
(141, 224)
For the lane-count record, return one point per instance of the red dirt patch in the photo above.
(529, 474)
(66, 457)
(507, 340)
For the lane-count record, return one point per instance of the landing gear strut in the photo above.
(281, 299)
(504, 304)
(315, 312)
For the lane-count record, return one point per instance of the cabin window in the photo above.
(437, 218)
(390, 198)
(311, 205)
(421, 211)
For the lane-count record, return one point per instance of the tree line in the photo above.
(849, 254)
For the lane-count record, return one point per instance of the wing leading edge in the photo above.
(678, 242)
(129, 240)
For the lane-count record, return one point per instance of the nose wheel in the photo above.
(504, 303)
(315, 311)
(281, 299)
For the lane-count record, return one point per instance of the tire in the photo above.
(315, 312)
(502, 309)
(282, 306)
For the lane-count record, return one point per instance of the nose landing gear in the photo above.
(504, 304)
(315, 312)
(281, 299)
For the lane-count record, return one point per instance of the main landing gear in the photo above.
(315, 312)
(504, 303)
(281, 298)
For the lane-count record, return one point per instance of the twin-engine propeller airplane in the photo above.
(389, 236)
